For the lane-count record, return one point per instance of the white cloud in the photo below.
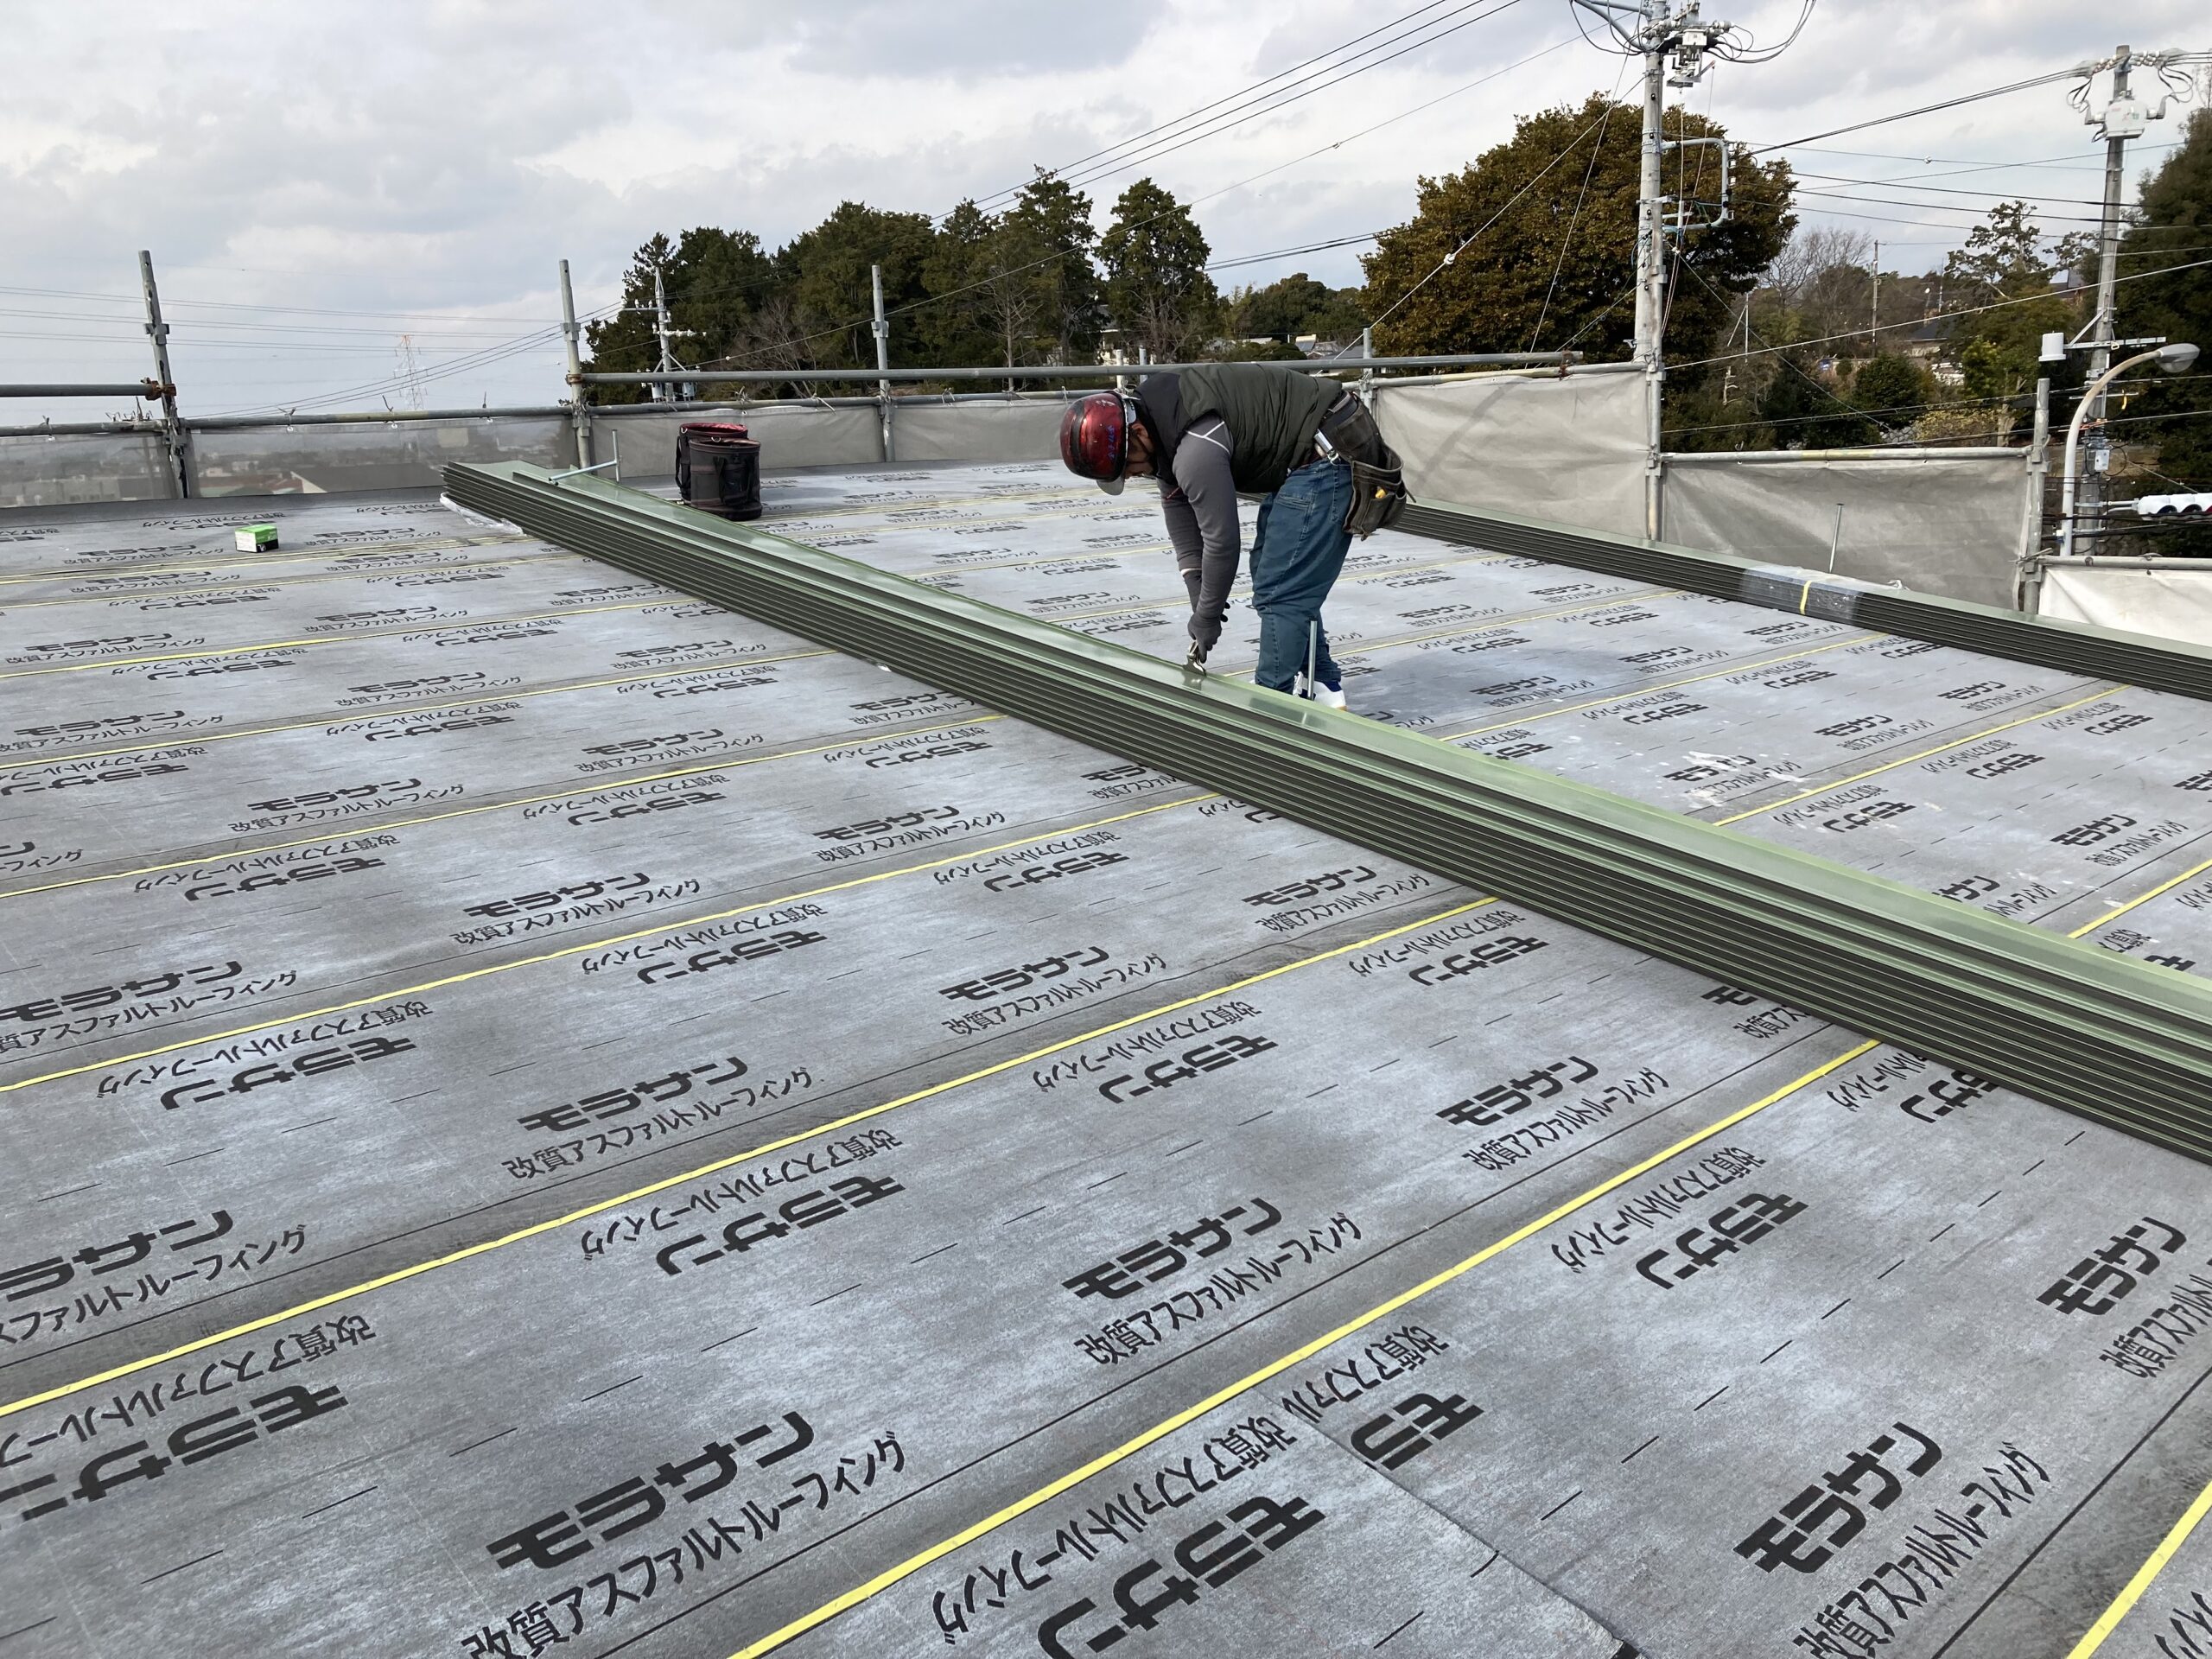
(437, 157)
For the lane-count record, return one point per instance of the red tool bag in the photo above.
(718, 469)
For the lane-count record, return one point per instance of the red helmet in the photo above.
(1095, 439)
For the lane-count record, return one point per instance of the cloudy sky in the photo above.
(315, 181)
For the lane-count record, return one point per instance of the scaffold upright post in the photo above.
(882, 330)
(172, 429)
(579, 400)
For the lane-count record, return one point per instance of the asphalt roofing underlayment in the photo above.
(537, 1114)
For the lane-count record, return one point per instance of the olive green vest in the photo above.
(1273, 413)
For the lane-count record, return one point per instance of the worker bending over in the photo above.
(1293, 438)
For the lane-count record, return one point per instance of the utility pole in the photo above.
(660, 332)
(173, 432)
(2122, 120)
(881, 328)
(579, 410)
(1650, 263)
(1674, 44)
(660, 390)
(1874, 305)
(2122, 117)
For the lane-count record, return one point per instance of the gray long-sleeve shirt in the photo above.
(1199, 497)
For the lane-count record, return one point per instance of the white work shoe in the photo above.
(1329, 697)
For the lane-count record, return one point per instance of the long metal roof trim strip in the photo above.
(2076, 648)
(2123, 1042)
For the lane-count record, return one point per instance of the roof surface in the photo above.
(536, 1113)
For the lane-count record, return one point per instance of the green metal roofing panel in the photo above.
(2121, 1041)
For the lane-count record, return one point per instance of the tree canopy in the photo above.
(1157, 290)
(1292, 306)
(1022, 285)
(1533, 247)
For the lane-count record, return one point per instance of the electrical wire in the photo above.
(1764, 54)
(1146, 157)
(1565, 151)
(169, 302)
(2116, 420)
(1949, 190)
(1957, 207)
(1844, 408)
(535, 339)
(1288, 253)
(1595, 318)
(1918, 322)
(1925, 109)
(1574, 219)
(934, 299)
(1847, 409)
(1720, 46)
(136, 330)
(1014, 190)
(2058, 162)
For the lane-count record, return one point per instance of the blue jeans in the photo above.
(1297, 552)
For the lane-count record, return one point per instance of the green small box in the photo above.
(257, 538)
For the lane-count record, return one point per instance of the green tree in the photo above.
(2002, 257)
(1235, 350)
(2167, 298)
(1891, 391)
(1803, 412)
(1533, 247)
(1999, 348)
(1157, 290)
(1055, 217)
(990, 281)
(953, 327)
(716, 283)
(829, 273)
(625, 343)
(1295, 305)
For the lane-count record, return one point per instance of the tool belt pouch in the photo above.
(1379, 495)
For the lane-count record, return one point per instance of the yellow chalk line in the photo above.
(603, 1207)
(1297, 1356)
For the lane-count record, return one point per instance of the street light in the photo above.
(2171, 359)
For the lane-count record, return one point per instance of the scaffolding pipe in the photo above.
(281, 422)
(882, 329)
(1984, 452)
(2094, 562)
(1067, 371)
(84, 429)
(147, 389)
(367, 417)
